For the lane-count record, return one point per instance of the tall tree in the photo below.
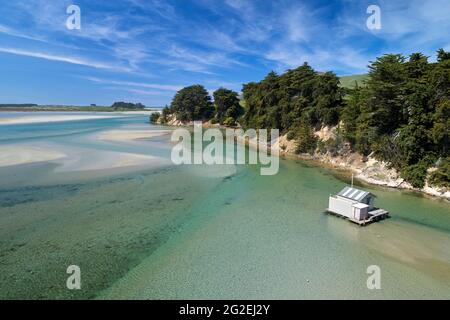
(192, 103)
(387, 76)
(227, 105)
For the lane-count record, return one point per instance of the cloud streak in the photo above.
(163, 87)
(63, 58)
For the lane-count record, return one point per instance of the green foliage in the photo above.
(350, 114)
(229, 122)
(214, 120)
(399, 111)
(291, 135)
(334, 145)
(281, 101)
(154, 117)
(192, 103)
(227, 105)
(127, 105)
(18, 106)
(442, 55)
(402, 114)
(440, 132)
(306, 140)
(165, 114)
(415, 174)
(441, 177)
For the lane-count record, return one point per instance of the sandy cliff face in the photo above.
(367, 169)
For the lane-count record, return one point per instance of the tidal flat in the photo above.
(151, 230)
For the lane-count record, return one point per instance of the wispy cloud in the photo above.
(203, 41)
(141, 92)
(9, 31)
(163, 87)
(63, 58)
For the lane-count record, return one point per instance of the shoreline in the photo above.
(25, 154)
(84, 158)
(364, 171)
(131, 135)
(47, 119)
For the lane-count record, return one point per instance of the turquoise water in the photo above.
(202, 232)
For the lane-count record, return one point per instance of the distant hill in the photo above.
(23, 105)
(68, 108)
(350, 81)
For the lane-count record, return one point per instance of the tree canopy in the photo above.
(127, 105)
(400, 115)
(280, 101)
(192, 103)
(403, 113)
(227, 105)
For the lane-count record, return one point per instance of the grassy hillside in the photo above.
(350, 81)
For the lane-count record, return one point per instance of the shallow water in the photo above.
(200, 232)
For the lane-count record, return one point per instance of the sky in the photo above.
(146, 50)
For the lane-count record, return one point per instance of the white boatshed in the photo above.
(352, 203)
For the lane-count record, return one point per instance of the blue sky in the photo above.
(145, 50)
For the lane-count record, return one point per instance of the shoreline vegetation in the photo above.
(390, 127)
(116, 107)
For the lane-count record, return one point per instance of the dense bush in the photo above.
(441, 177)
(127, 105)
(154, 117)
(306, 140)
(230, 122)
(281, 101)
(402, 114)
(227, 106)
(415, 174)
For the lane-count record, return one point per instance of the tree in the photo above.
(166, 112)
(306, 140)
(441, 177)
(387, 76)
(127, 105)
(350, 114)
(403, 113)
(440, 133)
(154, 117)
(280, 101)
(192, 103)
(327, 99)
(227, 105)
(443, 55)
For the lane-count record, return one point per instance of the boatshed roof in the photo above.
(353, 193)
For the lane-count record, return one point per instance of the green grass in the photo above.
(350, 81)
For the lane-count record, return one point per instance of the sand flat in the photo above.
(130, 135)
(104, 160)
(15, 155)
(49, 118)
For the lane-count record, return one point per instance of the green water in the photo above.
(201, 232)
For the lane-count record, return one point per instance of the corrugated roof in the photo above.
(353, 193)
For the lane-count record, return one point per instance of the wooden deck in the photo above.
(374, 215)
